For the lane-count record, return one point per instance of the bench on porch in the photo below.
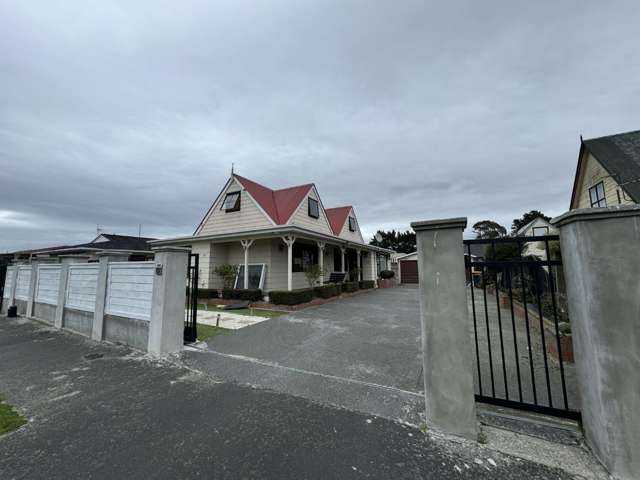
(337, 277)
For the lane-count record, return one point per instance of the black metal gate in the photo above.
(191, 307)
(521, 327)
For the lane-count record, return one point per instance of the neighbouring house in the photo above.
(608, 172)
(277, 235)
(407, 267)
(537, 227)
(119, 247)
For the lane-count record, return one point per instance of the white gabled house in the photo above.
(276, 235)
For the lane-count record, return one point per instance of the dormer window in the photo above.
(352, 224)
(314, 210)
(231, 202)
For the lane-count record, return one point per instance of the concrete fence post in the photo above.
(97, 330)
(31, 299)
(62, 295)
(166, 328)
(446, 343)
(14, 285)
(601, 261)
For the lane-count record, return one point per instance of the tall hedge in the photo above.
(293, 297)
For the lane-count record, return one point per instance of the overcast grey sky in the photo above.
(119, 113)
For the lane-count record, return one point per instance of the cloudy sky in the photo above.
(120, 113)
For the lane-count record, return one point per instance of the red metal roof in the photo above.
(278, 204)
(337, 216)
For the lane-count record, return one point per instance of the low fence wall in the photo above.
(106, 301)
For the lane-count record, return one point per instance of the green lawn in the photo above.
(256, 312)
(208, 331)
(9, 419)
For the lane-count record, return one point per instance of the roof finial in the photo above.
(232, 169)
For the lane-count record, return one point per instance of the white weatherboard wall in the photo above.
(24, 282)
(81, 286)
(48, 284)
(130, 289)
(8, 279)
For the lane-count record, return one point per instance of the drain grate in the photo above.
(93, 356)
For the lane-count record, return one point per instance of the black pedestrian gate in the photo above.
(521, 328)
(191, 307)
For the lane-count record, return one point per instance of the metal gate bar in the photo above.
(191, 307)
(505, 269)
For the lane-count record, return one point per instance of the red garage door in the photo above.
(408, 271)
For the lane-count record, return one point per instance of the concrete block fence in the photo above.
(112, 301)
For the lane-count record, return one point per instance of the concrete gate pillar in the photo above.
(166, 327)
(446, 343)
(601, 262)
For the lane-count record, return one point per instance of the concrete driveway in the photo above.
(361, 353)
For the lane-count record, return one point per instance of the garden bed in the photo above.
(290, 308)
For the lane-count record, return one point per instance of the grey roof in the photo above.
(112, 242)
(620, 156)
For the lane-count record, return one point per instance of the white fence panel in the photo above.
(8, 280)
(48, 284)
(130, 288)
(81, 286)
(24, 282)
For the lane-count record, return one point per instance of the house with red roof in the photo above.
(276, 235)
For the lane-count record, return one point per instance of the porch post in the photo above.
(35, 264)
(343, 249)
(289, 241)
(321, 261)
(246, 244)
(374, 260)
(359, 252)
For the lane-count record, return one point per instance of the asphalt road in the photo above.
(102, 411)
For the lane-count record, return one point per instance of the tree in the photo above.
(489, 229)
(518, 223)
(227, 273)
(402, 242)
(313, 273)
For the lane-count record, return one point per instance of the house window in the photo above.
(314, 210)
(256, 276)
(352, 224)
(231, 202)
(540, 231)
(596, 196)
(304, 255)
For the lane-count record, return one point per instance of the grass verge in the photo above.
(10, 420)
(254, 312)
(208, 331)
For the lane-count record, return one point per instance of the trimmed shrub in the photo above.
(207, 293)
(326, 291)
(294, 297)
(338, 288)
(385, 274)
(251, 295)
(348, 287)
(367, 284)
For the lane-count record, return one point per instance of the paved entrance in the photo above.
(361, 353)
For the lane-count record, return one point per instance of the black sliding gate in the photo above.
(191, 307)
(521, 329)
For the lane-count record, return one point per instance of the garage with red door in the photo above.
(408, 266)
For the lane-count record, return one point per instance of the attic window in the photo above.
(314, 211)
(540, 231)
(352, 224)
(231, 202)
(597, 196)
